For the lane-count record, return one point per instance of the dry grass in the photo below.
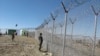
(21, 46)
(76, 49)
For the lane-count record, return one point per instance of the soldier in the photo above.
(13, 36)
(40, 41)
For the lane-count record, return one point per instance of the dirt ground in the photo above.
(27, 46)
(21, 46)
(72, 49)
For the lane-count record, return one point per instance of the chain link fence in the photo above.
(80, 34)
(80, 30)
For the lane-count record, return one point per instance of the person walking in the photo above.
(40, 41)
(13, 36)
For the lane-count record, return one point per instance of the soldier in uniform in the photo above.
(40, 41)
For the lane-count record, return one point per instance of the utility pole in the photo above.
(95, 30)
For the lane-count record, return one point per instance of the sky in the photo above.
(31, 13)
(84, 24)
(25, 13)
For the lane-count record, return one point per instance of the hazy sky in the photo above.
(31, 13)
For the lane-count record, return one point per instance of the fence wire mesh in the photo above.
(80, 36)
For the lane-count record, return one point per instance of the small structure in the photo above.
(21, 32)
(11, 31)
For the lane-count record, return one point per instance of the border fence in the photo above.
(62, 29)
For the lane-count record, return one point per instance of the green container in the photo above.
(11, 31)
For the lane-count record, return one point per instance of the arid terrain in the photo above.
(72, 49)
(21, 46)
(28, 46)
